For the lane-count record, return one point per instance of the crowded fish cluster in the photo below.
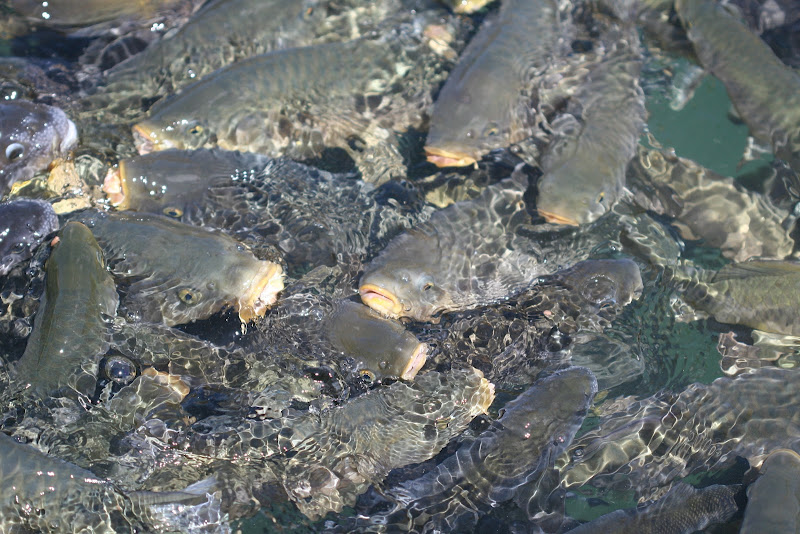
(398, 266)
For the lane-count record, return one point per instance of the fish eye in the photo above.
(18, 247)
(196, 129)
(366, 375)
(14, 151)
(188, 296)
(172, 211)
(427, 286)
(601, 197)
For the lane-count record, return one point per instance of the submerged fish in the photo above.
(48, 495)
(759, 294)
(487, 100)
(84, 13)
(517, 449)
(682, 510)
(467, 254)
(71, 330)
(764, 91)
(24, 223)
(32, 136)
(584, 168)
(773, 500)
(179, 273)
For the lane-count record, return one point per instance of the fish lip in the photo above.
(446, 158)
(262, 294)
(380, 300)
(416, 362)
(116, 189)
(557, 219)
(146, 142)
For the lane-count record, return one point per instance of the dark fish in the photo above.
(604, 282)
(84, 13)
(682, 510)
(32, 136)
(487, 100)
(764, 91)
(71, 330)
(24, 223)
(584, 168)
(517, 449)
(773, 500)
(179, 273)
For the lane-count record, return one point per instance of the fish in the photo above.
(584, 167)
(294, 102)
(25, 224)
(682, 510)
(466, 254)
(646, 444)
(466, 6)
(517, 449)
(32, 136)
(757, 293)
(179, 273)
(604, 282)
(381, 348)
(764, 91)
(48, 495)
(71, 328)
(773, 500)
(78, 13)
(487, 101)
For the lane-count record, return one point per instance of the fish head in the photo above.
(461, 147)
(606, 282)
(402, 291)
(24, 223)
(32, 136)
(572, 201)
(162, 133)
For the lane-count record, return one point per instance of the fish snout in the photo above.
(416, 362)
(380, 300)
(555, 218)
(446, 158)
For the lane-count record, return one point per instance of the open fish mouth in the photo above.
(445, 158)
(557, 219)
(380, 300)
(416, 362)
(263, 294)
(145, 142)
(114, 188)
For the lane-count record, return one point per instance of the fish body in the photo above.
(773, 500)
(179, 273)
(760, 294)
(486, 102)
(604, 282)
(584, 168)
(682, 510)
(516, 449)
(466, 254)
(764, 91)
(32, 136)
(24, 223)
(85, 13)
(70, 331)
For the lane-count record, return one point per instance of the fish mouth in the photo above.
(416, 362)
(554, 218)
(263, 294)
(445, 158)
(115, 188)
(145, 140)
(380, 300)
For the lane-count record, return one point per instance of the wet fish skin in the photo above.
(70, 331)
(682, 510)
(84, 13)
(757, 293)
(31, 137)
(584, 168)
(615, 282)
(517, 449)
(181, 273)
(486, 101)
(773, 500)
(466, 254)
(764, 91)
(25, 223)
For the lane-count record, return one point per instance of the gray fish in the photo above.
(44, 494)
(32, 136)
(179, 273)
(773, 500)
(764, 91)
(24, 223)
(70, 331)
(758, 293)
(516, 450)
(84, 13)
(487, 100)
(584, 168)
(682, 510)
